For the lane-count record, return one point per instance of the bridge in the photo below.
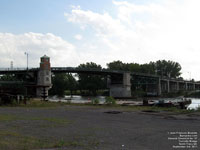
(119, 82)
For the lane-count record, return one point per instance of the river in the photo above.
(87, 99)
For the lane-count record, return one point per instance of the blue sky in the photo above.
(47, 16)
(78, 31)
(43, 16)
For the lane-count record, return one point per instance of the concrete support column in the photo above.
(121, 90)
(197, 86)
(163, 86)
(186, 86)
(194, 86)
(159, 87)
(189, 86)
(168, 86)
(127, 84)
(177, 86)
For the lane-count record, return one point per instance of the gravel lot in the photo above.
(87, 127)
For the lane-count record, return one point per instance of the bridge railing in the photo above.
(10, 69)
(16, 69)
(76, 69)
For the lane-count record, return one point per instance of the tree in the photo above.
(134, 67)
(71, 83)
(160, 67)
(91, 82)
(62, 82)
(117, 65)
(147, 68)
(167, 68)
(59, 82)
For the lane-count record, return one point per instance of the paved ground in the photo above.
(86, 127)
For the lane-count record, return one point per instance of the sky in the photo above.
(72, 32)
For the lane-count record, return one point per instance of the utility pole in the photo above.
(26, 58)
(27, 71)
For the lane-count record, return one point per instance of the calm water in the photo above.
(86, 99)
(195, 103)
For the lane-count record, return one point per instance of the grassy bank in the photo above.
(36, 103)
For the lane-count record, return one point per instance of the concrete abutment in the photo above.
(121, 89)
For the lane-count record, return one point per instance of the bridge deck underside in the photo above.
(147, 82)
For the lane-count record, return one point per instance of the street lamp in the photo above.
(27, 58)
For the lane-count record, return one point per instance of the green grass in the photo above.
(42, 104)
(125, 108)
(56, 120)
(7, 117)
(47, 104)
(15, 141)
(62, 143)
(52, 121)
(12, 140)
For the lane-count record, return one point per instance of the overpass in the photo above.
(119, 82)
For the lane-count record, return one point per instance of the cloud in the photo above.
(78, 37)
(136, 33)
(12, 48)
(146, 32)
(101, 23)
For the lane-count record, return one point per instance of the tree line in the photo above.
(90, 84)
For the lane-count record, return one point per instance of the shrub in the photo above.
(7, 99)
(95, 101)
(198, 109)
(110, 100)
(69, 101)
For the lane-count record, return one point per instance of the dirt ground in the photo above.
(89, 128)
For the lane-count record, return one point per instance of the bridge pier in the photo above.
(120, 86)
(181, 86)
(177, 86)
(159, 87)
(43, 77)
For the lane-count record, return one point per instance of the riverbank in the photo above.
(48, 125)
(195, 103)
(134, 106)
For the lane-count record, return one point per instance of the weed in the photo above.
(59, 144)
(6, 117)
(95, 101)
(110, 100)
